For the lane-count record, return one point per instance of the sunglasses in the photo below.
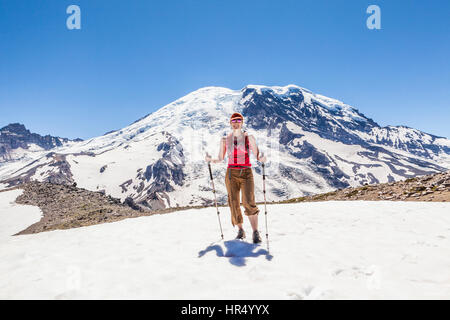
(236, 120)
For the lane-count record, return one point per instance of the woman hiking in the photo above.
(237, 145)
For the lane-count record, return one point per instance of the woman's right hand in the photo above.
(208, 158)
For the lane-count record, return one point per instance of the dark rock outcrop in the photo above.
(15, 136)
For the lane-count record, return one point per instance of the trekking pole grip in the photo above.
(209, 166)
(210, 172)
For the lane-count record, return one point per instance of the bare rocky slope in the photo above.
(433, 187)
(66, 207)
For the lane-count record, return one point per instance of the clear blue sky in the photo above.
(132, 57)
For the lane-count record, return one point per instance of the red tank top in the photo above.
(238, 151)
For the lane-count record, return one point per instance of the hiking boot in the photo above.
(241, 234)
(256, 237)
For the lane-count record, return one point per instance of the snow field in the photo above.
(320, 250)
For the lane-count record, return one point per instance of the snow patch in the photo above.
(318, 250)
(14, 217)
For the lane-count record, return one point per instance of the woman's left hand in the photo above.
(262, 159)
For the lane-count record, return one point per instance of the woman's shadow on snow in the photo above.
(237, 251)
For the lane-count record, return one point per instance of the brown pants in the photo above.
(235, 180)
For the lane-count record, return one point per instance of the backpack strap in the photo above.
(235, 151)
(247, 160)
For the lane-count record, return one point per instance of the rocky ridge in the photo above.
(16, 136)
(66, 207)
(433, 187)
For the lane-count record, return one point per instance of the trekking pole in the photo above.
(265, 206)
(215, 200)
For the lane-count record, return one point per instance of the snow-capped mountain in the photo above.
(313, 144)
(16, 142)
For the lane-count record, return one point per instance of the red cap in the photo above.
(237, 115)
